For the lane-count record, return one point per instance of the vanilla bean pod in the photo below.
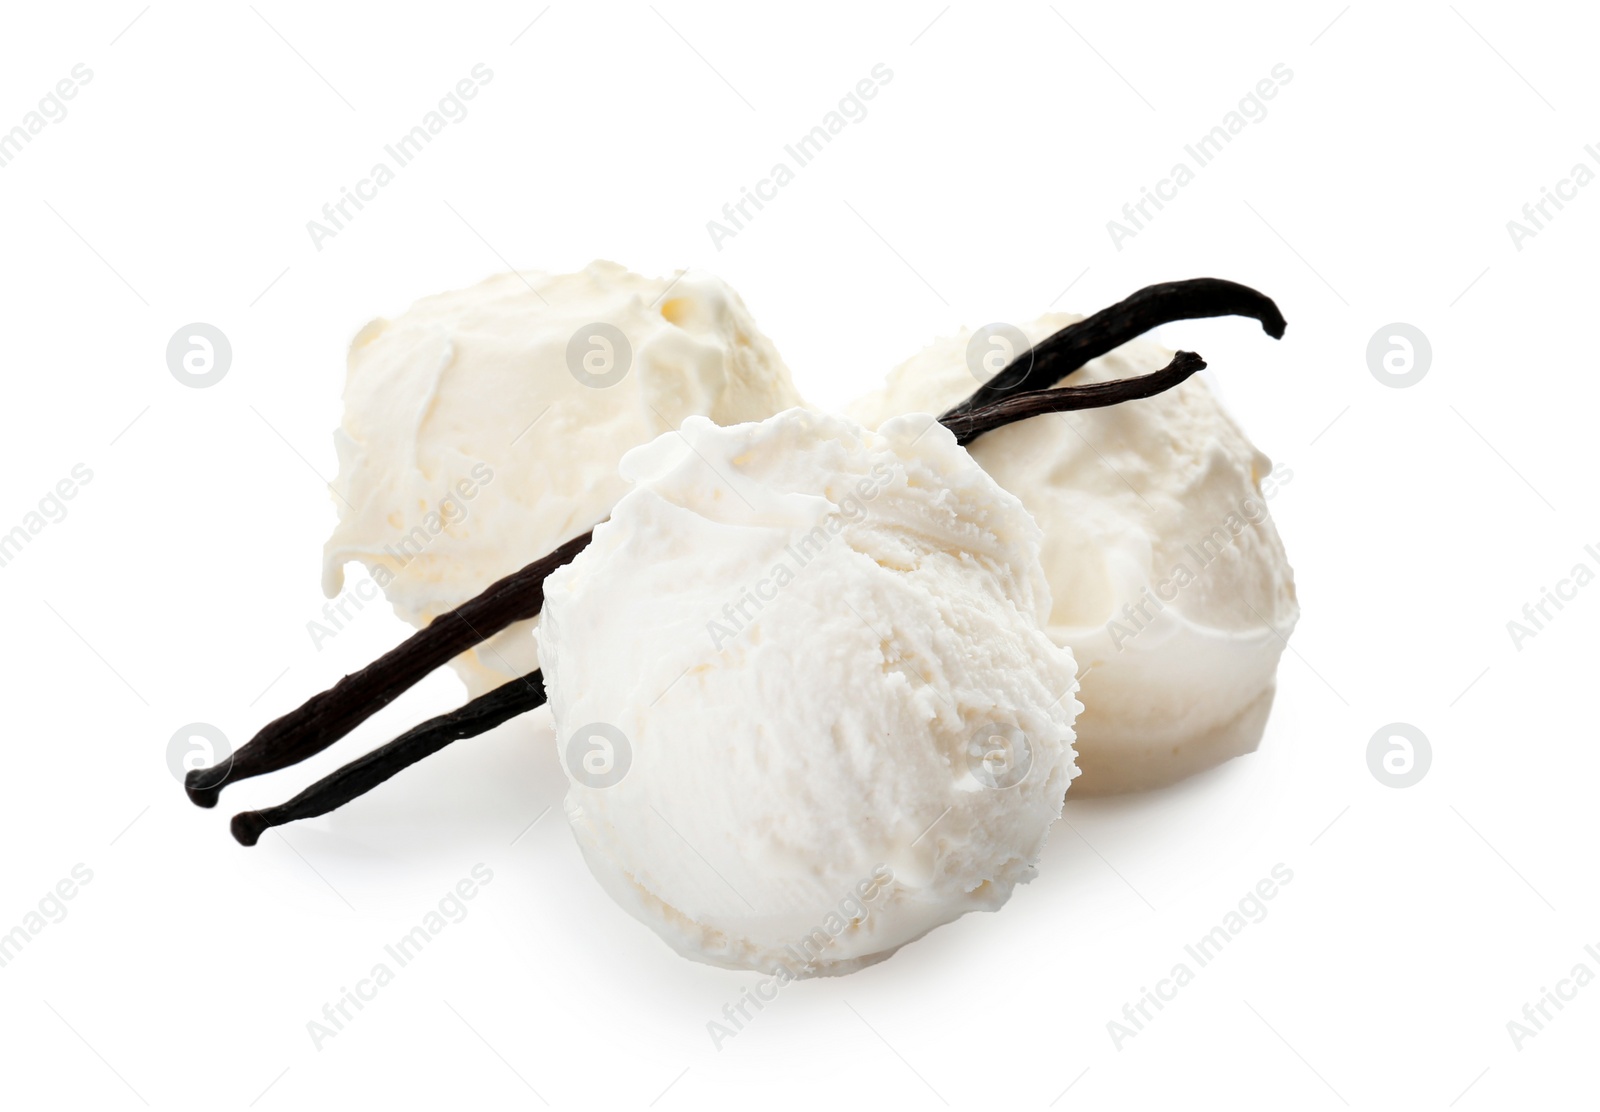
(971, 424)
(325, 718)
(1021, 390)
(1057, 356)
(360, 776)
(511, 699)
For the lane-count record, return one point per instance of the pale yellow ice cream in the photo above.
(483, 427)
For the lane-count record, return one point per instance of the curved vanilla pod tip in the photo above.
(1058, 355)
(970, 425)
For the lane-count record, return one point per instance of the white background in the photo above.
(1419, 521)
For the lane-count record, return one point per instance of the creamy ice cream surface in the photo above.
(483, 427)
(804, 700)
(1169, 581)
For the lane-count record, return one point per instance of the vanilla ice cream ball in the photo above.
(802, 693)
(1170, 584)
(483, 427)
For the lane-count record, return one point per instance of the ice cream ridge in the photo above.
(809, 682)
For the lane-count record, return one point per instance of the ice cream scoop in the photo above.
(1021, 390)
(802, 666)
(800, 679)
(483, 427)
(1168, 578)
